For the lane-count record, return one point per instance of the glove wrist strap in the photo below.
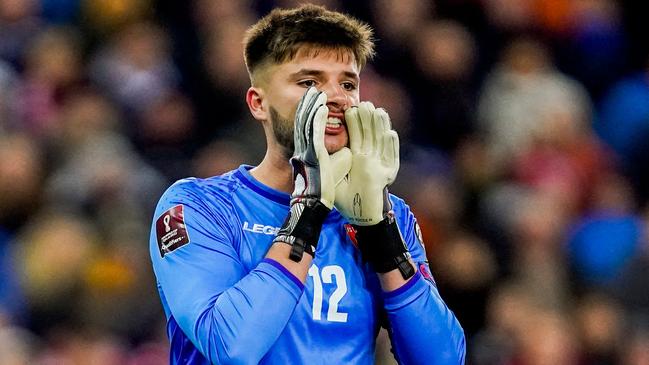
(302, 227)
(383, 247)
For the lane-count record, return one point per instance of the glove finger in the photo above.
(354, 129)
(317, 135)
(365, 111)
(385, 119)
(301, 120)
(340, 164)
(390, 155)
(382, 126)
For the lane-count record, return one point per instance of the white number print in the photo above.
(328, 274)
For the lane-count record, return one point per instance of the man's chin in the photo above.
(334, 145)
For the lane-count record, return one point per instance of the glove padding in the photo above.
(315, 173)
(362, 197)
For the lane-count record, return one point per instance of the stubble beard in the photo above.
(283, 131)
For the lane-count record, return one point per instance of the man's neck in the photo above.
(275, 172)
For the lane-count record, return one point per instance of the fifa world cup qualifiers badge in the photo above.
(170, 230)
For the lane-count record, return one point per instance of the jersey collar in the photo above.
(243, 174)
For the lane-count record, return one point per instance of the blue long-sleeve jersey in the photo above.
(226, 304)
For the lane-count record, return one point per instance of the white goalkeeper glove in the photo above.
(362, 197)
(316, 174)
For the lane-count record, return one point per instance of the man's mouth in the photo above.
(334, 125)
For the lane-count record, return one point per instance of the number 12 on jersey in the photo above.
(327, 275)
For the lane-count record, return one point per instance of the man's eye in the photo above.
(349, 86)
(307, 83)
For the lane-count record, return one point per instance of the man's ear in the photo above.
(255, 100)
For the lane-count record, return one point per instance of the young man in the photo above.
(249, 272)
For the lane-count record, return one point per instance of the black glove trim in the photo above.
(383, 247)
(302, 227)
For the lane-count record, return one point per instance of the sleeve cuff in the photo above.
(284, 271)
(406, 294)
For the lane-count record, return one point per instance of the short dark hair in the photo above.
(278, 36)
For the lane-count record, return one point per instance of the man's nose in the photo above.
(336, 96)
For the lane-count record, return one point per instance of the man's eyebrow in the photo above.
(351, 75)
(306, 72)
(318, 73)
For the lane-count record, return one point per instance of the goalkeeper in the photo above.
(301, 259)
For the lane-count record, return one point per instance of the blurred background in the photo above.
(525, 156)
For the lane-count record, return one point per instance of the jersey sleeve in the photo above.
(225, 311)
(422, 328)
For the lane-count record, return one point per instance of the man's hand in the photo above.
(316, 174)
(362, 197)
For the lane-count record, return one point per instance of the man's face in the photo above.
(333, 72)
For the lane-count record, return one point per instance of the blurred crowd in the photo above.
(524, 127)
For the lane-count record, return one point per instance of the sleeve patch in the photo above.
(420, 237)
(425, 272)
(171, 232)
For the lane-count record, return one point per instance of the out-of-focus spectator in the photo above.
(21, 177)
(60, 11)
(600, 323)
(383, 354)
(602, 242)
(566, 157)
(209, 15)
(17, 346)
(443, 102)
(105, 17)
(623, 124)
(104, 170)
(8, 85)
(136, 68)
(538, 259)
(69, 346)
(84, 114)
(508, 307)
(218, 157)
(217, 75)
(98, 166)
(165, 133)
(12, 302)
(636, 350)
(222, 103)
(548, 337)
(555, 16)
(397, 23)
(329, 4)
(465, 270)
(52, 67)
(521, 95)
(392, 96)
(511, 15)
(427, 180)
(222, 57)
(400, 20)
(521, 331)
(53, 253)
(117, 295)
(594, 51)
(19, 24)
(630, 287)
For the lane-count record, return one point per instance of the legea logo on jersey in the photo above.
(260, 228)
